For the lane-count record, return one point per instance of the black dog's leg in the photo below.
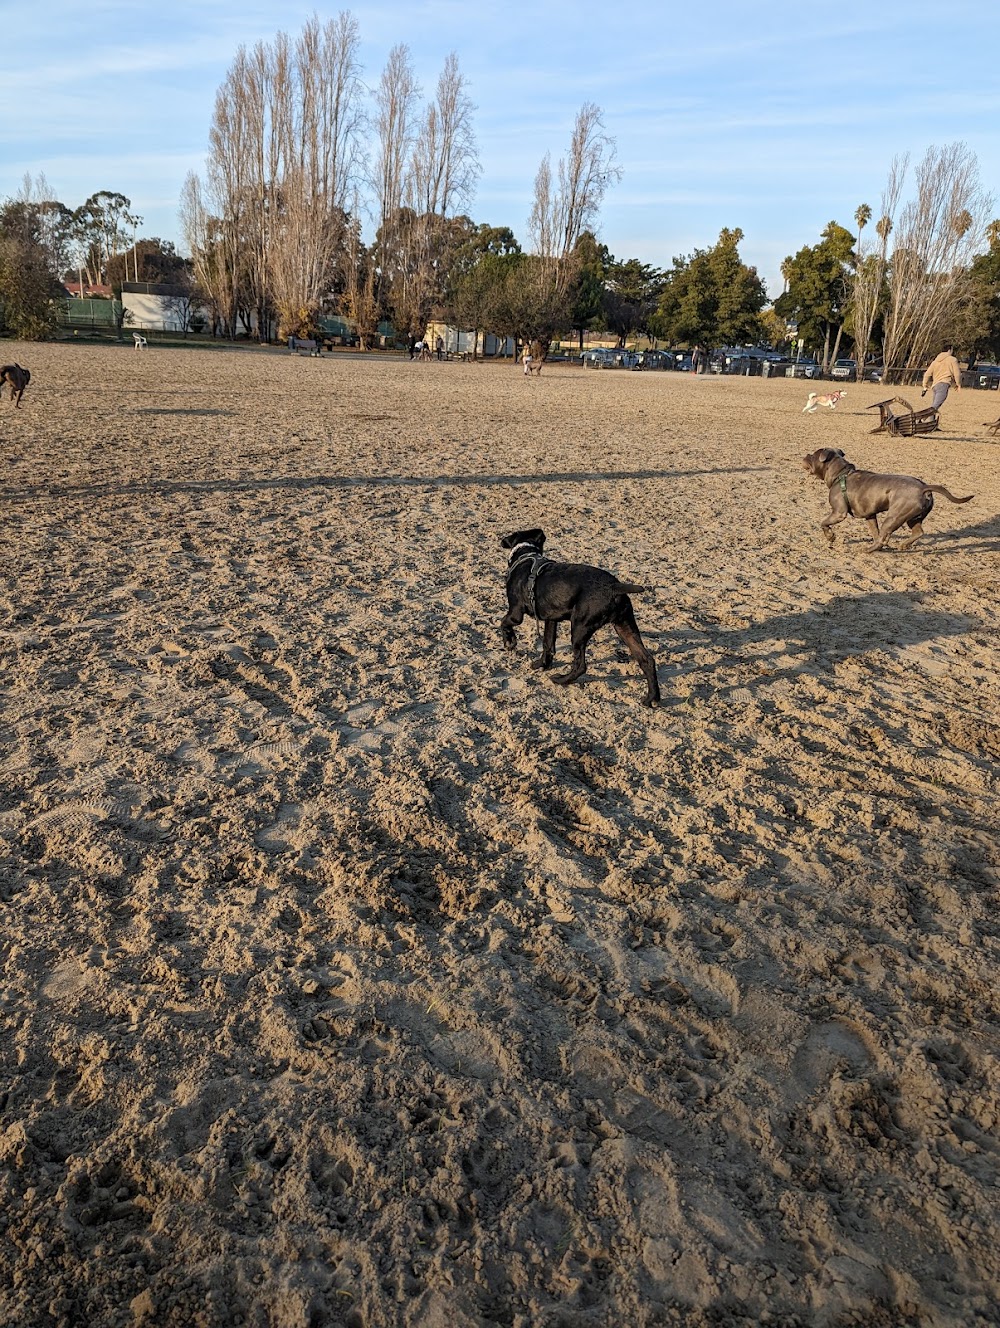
(628, 630)
(511, 619)
(544, 661)
(580, 635)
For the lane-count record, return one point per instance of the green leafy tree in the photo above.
(631, 293)
(29, 285)
(156, 260)
(475, 299)
(712, 297)
(817, 290)
(976, 326)
(483, 301)
(593, 259)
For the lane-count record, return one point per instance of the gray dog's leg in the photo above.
(834, 519)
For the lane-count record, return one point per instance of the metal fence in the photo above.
(90, 315)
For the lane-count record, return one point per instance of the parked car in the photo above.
(988, 376)
(875, 373)
(601, 357)
(683, 363)
(776, 368)
(846, 370)
(804, 368)
(654, 359)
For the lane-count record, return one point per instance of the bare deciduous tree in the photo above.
(935, 238)
(321, 119)
(871, 263)
(564, 209)
(284, 147)
(395, 105)
(358, 301)
(441, 178)
(559, 217)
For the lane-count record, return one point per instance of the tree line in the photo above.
(303, 158)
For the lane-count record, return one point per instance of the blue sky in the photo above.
(772, 117)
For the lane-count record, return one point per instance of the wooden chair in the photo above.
(886, 412)
(907, 422)
(917, 421)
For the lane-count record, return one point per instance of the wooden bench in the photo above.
(303, 346)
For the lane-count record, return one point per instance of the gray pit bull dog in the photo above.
(904, 499)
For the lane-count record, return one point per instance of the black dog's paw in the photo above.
(509, 639)
(541, 663)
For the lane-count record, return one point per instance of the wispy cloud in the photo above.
(775, 119)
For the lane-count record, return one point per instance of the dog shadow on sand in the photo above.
(816, 638)
(182, 410)
(983, 537)
(164, 488)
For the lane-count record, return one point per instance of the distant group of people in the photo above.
(421, 350)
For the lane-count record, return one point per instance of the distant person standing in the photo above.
(942, 373)
(439, 348)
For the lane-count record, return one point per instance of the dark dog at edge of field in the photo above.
(588, 597)
(17, 378)
(904, 499)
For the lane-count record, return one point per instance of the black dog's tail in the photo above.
(626, 588)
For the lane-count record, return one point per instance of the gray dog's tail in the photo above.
(939, 488)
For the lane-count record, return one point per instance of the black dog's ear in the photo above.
(522, 537)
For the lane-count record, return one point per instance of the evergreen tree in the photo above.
(29, 285)
(712, 297)
(818, 288)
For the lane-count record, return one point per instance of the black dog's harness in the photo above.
(538, 565)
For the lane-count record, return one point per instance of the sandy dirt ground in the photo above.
(354, 973)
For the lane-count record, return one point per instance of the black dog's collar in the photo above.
(514, 560)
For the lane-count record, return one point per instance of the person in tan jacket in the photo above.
(941, 374)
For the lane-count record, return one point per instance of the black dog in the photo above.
(587, 596)
(18, 379)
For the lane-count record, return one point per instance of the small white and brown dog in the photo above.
(817, 399)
